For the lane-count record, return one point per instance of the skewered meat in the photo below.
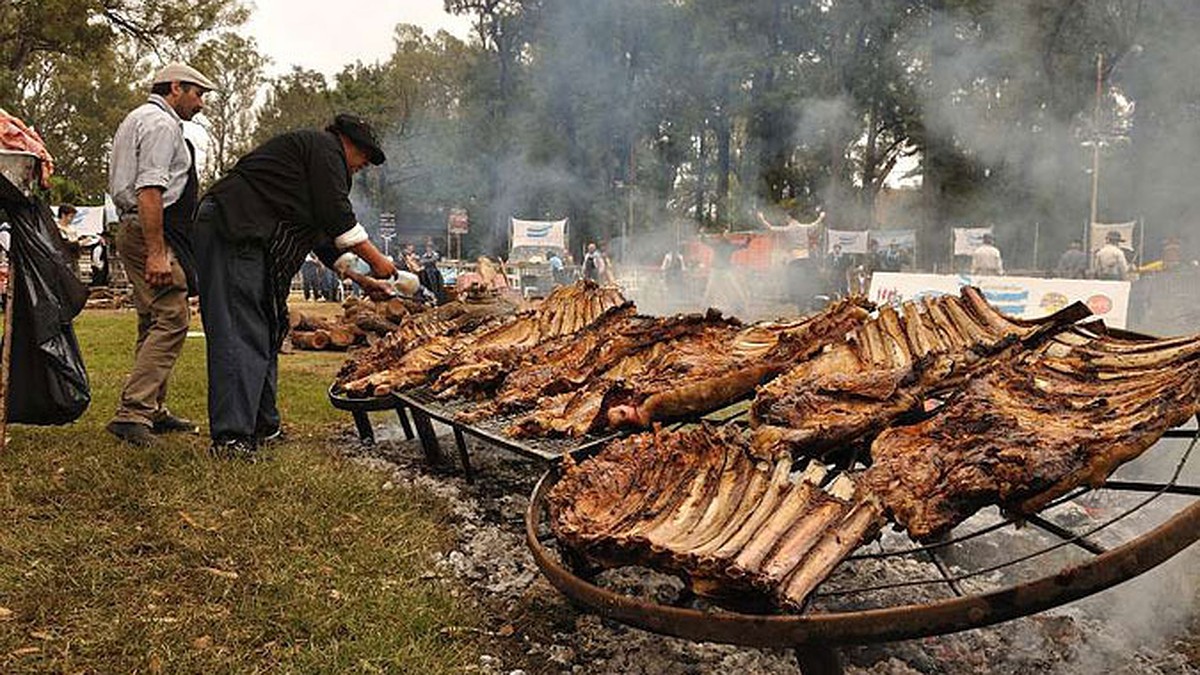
(689, 375)
(697, 503)
(1032, 429)
(886, 368)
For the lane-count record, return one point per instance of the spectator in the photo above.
(310, 277)
(721, 277)
(673, 268)
(66, 215)
(985, 259)
(1109, 262)
(558, 271)
(430, 275)
(99, 261)
(1074, 263)
(893, 258)
(836, 266)
(1172, 253)
(594, 264)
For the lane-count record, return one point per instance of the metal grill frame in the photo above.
(818, 633)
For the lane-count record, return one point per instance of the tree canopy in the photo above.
(634, 116)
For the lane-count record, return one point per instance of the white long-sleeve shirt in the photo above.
(985, 259)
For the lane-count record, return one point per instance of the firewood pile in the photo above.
(361, 322)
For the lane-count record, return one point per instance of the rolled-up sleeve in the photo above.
(156, 149)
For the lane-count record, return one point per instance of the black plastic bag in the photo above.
(48, 383)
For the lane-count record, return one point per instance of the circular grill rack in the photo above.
(1104, 569)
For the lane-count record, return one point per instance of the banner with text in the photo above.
(551, 233)
(1019, 297)
(967, 239)
(850, 241)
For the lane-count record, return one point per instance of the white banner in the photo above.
(967, 239)
(548, 233)
(850, 241)
(88, 220)
(906, 239)
(1019, 297)
(1101, 230)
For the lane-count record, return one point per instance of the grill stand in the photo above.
(359, 407)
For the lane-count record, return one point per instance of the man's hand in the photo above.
(158, 269)
(377, 289)
(381, 267)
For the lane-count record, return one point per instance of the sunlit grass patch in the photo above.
(114, 559)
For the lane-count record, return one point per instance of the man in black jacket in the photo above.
(254, 228)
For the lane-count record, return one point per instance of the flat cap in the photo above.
(182, 72)
(360, 133)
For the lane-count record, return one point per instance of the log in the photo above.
(303, 321)
(312, 340)
(340, 337)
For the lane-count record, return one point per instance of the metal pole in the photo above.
(1087, 236)
(6, 355)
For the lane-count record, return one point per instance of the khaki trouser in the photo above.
(163, 315)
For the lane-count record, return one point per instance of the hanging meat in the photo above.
(742, 530)
(689, 375)
(886, 368)
(1033, 428)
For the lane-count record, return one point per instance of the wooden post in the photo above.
(6, 355)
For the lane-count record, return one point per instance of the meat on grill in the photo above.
(371, 368)
(1032, 429)
(886, 368)
(479, 346)
(563, 365)
(565, 312)
(697, 503)
(688, 375)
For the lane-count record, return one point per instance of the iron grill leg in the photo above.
(429, 441)
(408, 432)
(362, 424)
(463, 455)
(819, 660)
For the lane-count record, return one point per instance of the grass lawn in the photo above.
(119, 560)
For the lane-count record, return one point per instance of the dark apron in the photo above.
(177, 224)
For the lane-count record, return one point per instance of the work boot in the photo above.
(236, 447)
(269, 435)
(132, 433)
(168, 422)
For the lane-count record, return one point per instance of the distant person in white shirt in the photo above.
(985, 259)
(1109, 262)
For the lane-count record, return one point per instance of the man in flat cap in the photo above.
(254, 228)
(152, 178)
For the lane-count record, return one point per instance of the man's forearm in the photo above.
(150, 216)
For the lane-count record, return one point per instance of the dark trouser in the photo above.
(236, 307)
(309, 273)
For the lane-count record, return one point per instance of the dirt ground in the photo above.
(1148, 625)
